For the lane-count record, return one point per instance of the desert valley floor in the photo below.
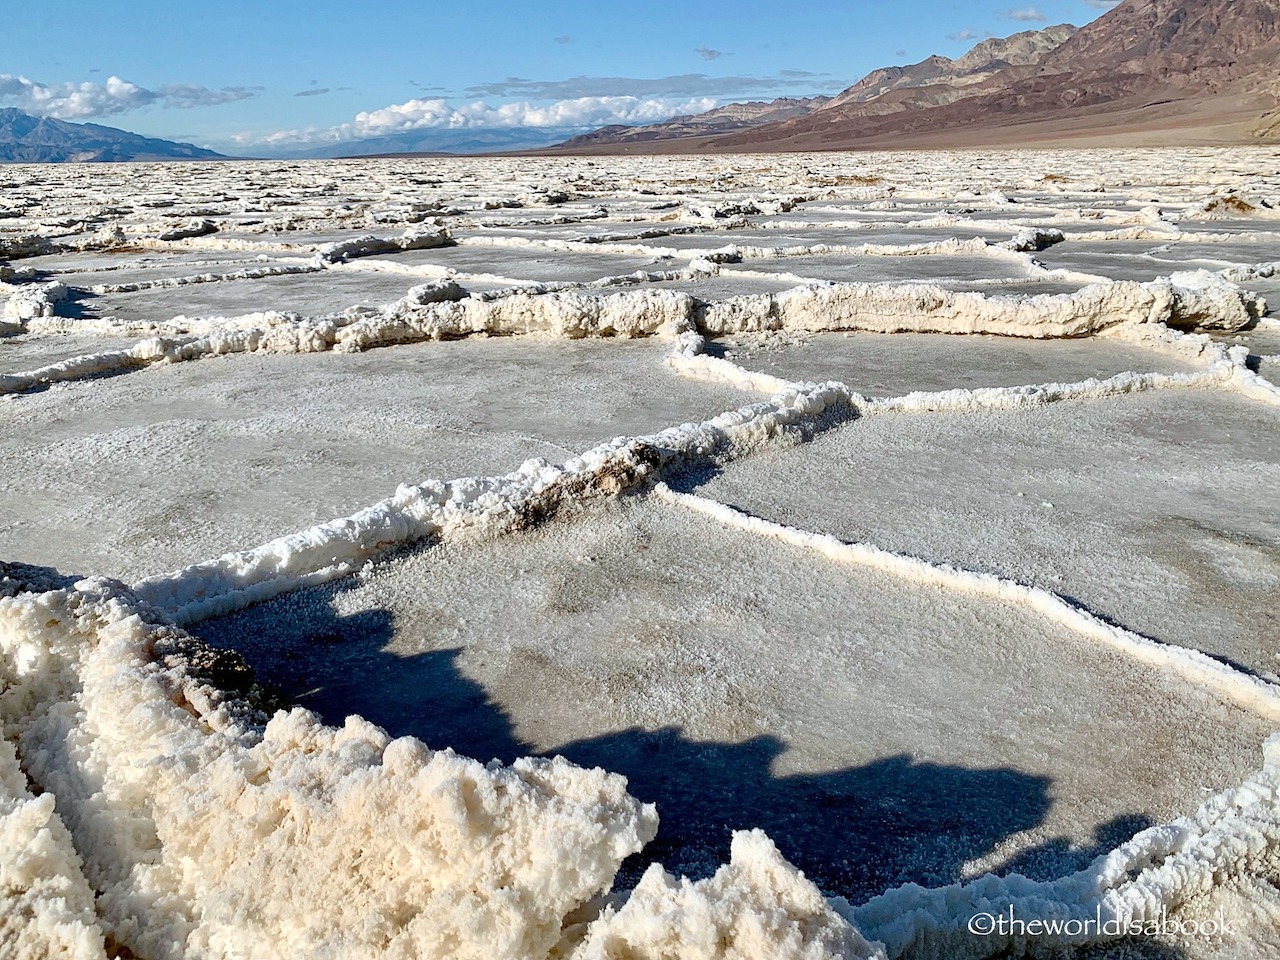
(904, 528)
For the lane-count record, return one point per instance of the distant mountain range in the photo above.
(27, 139)
(440, 140)
(1146, 72)
(729, 118)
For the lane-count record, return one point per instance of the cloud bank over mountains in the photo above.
(559, 107)
(439, 114)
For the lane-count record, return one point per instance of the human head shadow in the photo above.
(19, 577)
(854, 831)
(339, 665)
(1059, 856)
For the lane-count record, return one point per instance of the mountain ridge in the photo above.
(886, 86)
(28, 139)
(726, 118)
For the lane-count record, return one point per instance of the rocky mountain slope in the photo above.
(987, 58)
(933, 80)
(28, 139)
(1146, 72)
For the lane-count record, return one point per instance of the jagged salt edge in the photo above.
(43, 881)
(762, 311)
(1224, 367)
(1220, 373)
(186, 725)
(248, 273)
(341, 546)
(146, 352)
(29, 302)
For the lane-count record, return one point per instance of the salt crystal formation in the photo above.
(158, 802)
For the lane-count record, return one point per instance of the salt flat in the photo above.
(893, 364)
(914, 509)
(1107, 501)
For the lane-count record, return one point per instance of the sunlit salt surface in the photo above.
(905, 520)
(888, 365)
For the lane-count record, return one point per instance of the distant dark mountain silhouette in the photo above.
(28, 139)
(438, 140)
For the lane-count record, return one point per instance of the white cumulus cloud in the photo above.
(425, 114)
(79, 101)
(1027, 14)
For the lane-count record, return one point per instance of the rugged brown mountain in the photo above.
(934, 80)
(953, 76)
(1146, 72)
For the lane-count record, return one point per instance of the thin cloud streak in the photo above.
(679, 85)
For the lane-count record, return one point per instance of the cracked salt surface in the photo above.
(893, 364)
(331, 292)
(29, 351)
(882, 716)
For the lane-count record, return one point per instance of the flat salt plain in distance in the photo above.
(299, 293)
(884, 728)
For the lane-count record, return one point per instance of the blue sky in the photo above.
(280, 74)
